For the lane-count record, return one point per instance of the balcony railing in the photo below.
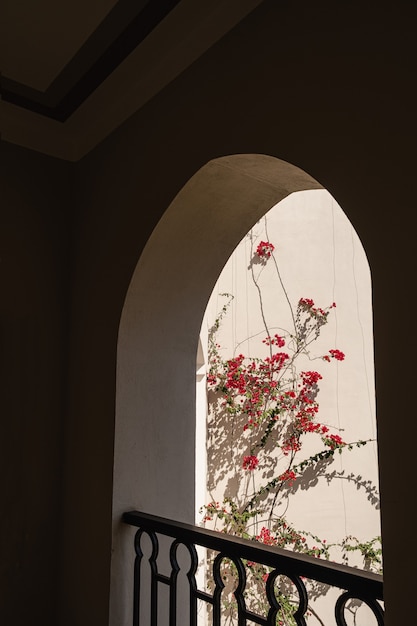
(353, 584)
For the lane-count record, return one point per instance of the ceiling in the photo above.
(73, 71)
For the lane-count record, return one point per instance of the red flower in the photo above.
(211, 379)
(266, 537)
(334, 441)
(292, 444)
(306, 303)
(275, 340)
(289, 476)
(265, 249)
(337, 354)
(310, 378)
(250, 462)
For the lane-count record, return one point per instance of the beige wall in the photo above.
(319, 256)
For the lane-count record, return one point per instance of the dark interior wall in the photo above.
(323, 88)
(34, 238)
(120, 195)
(329, 88)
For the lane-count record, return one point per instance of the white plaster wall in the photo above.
(320, 257)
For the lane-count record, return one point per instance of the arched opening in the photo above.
(154, 460)
(331, 501)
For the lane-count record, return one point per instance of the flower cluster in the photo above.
(265, 249)
(268, 395)
(337, 354)
(288, 476)
(266, 537)
(333, 441)
(212, 509)
(247, 386)
(307, 305)
(250, 462)
(276, 340)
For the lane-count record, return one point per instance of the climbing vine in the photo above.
(271, 405)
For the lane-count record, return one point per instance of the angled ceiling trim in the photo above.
(121, 31)
(185, 31)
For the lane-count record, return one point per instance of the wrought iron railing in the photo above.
(354, 584)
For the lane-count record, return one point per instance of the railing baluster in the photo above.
(154, 578)
(136, 583)
(173, 585)
(193, 584)
(370, 602)
(218, 589)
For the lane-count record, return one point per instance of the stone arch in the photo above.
(154, 456)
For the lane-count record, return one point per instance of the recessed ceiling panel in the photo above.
(38, 38)
(127, 24)
(72, 72)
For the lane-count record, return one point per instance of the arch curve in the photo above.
(154, 457)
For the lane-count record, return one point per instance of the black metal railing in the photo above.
(353, 584)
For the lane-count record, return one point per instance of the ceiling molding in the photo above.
(104, 84)
(100, 55)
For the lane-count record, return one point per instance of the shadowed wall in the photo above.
(328, 88)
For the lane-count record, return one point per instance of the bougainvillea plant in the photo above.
(272, 406)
